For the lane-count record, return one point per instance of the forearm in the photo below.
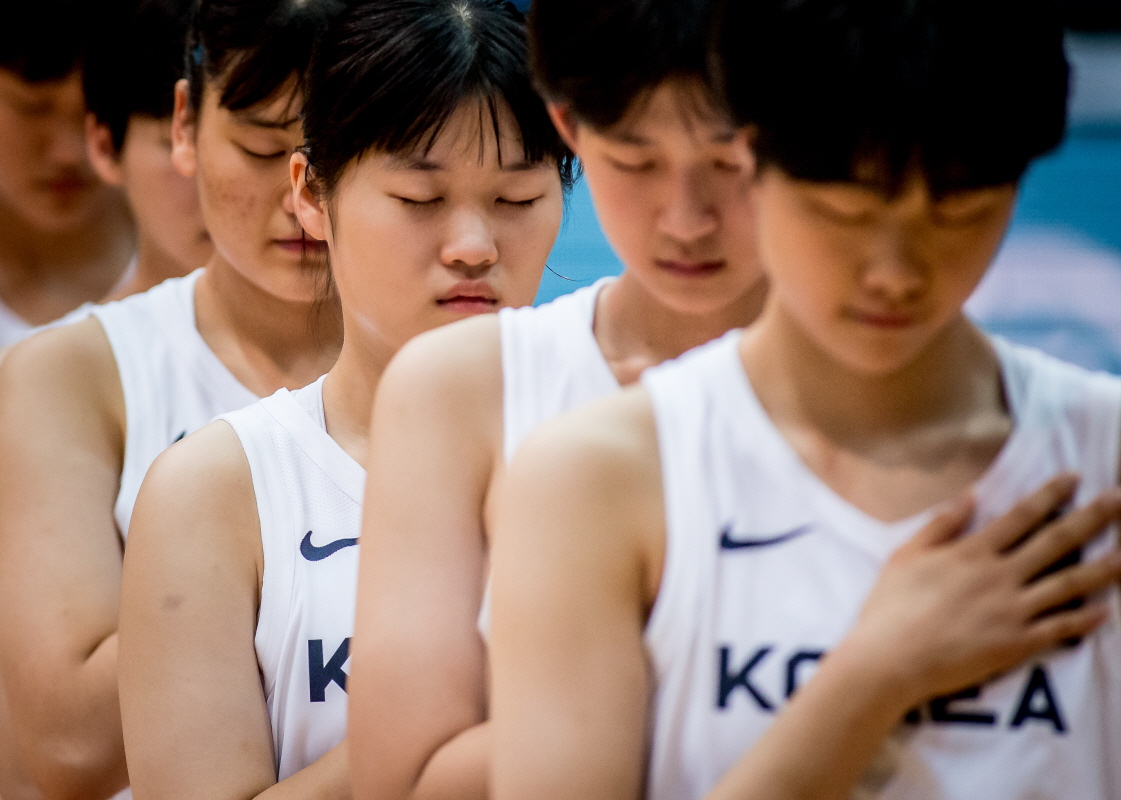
(69, 730)
(459, 770)
(326, 779)
(825, 739)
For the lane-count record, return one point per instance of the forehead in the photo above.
(472, 137)
(14, 87)
(674, 109)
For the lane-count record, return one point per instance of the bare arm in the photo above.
(417, 688)
(577, 555)
(61, 442)
(195, 720)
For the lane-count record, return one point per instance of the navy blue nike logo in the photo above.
(179, 438)
(313, 553)
(728, 542)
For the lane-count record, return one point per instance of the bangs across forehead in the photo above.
(964, 93)
(390, 75)
(479, 127)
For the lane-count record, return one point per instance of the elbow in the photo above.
(66, 767)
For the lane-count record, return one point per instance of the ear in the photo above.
(103, 153)
(566, 124)
(183, 132)
(310, 210)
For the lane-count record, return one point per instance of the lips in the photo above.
(302, 246)
(469, 297)
(882, 320)
(688, 268)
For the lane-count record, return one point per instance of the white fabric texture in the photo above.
(767, 568)
(309, 498)
(173, 383)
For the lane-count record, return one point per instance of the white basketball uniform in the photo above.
(766, 569)
(173, 383)
(551, 363)
(14, 328)
(309, 498)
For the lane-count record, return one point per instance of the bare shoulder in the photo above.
(72, 365)
(590, 482)
(612, 439)
(198, 495)
(451, 374)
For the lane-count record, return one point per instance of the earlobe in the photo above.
(565, 123)
(183, 130)
(308, 207)
(103, 153)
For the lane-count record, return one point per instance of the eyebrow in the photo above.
(269, 124)
(425, 165)
(634, 140)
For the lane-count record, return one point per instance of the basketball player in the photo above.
(432, 171)
(671, 565)
(671, 177)
(85, 409)
(65, 237)
(129, 79)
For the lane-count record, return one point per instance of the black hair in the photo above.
(965, 92)
(388, 74)
(1092, 15)
(133, 61)
(253, 49)
(601, 57)
(43, 40)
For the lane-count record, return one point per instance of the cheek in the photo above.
(624, 207)
(19, 150)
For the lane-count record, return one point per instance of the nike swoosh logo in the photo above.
(728, 542)
(179, 438)
(313, 553)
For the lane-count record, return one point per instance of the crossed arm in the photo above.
(61, 442)
(196, 723)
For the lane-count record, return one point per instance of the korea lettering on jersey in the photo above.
(767, 570)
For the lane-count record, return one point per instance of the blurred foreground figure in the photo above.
(682, 570)
(131, 68)
(65, 237)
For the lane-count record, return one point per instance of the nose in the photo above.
(470, 246)
(689, 213)
(67, 144)
(896, 274)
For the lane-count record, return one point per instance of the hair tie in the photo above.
(197, 55)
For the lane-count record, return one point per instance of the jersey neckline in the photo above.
(881, 536)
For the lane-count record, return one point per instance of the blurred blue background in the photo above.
(1057, 281)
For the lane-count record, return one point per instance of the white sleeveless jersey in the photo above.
(14, 328)
(551, 363)
(173, 383)
(309, 497)
(767, 568)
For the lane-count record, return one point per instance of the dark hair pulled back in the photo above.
(601, 57)
(252, 49)
(388, 74)
(964, 93)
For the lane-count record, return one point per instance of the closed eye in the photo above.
(502, 201)
(264, 156)
(409, 201)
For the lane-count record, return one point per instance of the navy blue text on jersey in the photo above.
(321, 674)
(1037, 701)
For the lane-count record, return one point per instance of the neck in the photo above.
(348, 394)
(153, 267)
(635, 331)
(267, 343)
(799, 384)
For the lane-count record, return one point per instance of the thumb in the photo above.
(948, 525)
